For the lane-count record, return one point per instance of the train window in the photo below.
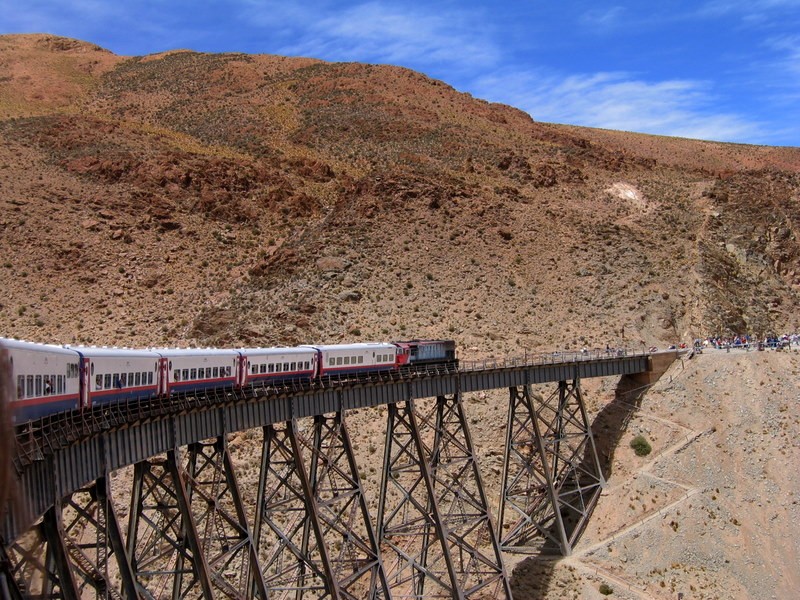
(20, 386)
(92, 368)
(150, 378)
(123, 380)
(185, 374)
(130, 379)
(216, 372)
(193, 374)
(201, 373)
(293, 367)
(138, 379)
(253, 369)
(285, 366)
(62, 387)
(176, 376)
(107, 381)
(227, 371)
(38, 385)
(29, 385)
(331, 361)
(338, 360)
(347, 360)
(308, 365)
(271, 368)
(98, 382)
(278, 367)
(360, 360)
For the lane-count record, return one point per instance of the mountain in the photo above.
(232, 198)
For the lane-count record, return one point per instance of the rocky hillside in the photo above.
(225, 199)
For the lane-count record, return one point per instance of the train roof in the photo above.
(278, 350)
(110, 352)
(34, 346)
(195, 352)
(426, 341)
(357, 346)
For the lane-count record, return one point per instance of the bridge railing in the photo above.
(545, 358)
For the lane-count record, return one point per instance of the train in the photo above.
(51, 379)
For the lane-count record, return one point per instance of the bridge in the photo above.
(307, 529)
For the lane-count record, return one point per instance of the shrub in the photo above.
(605, 589)
(641, 446)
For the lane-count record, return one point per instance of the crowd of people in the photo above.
(747, 341)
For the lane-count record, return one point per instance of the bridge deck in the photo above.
(78, 450)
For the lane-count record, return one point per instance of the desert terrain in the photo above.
(712, 511)
(192, 199)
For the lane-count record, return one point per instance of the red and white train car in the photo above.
(47, 379)
(190, 369)
(350, 359)
(273, 365)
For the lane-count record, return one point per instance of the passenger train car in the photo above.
(52, 379)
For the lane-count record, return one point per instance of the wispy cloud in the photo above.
(384, 32)
(605, 18)
(789, 48)
(617, 101)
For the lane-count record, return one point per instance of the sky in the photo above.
(723, 70)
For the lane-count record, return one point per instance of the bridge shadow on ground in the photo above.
(535, 575)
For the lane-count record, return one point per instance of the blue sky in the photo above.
(726, 70)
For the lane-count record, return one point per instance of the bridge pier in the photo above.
(291, 562)
(433, 515)
(343, 513)
(163, 543)
(77, 546)
(551, 472)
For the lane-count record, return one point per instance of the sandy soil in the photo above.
(712, 512)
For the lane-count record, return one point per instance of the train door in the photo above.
(239, 370)
(163, 376)
(316, 364)
(85, 379)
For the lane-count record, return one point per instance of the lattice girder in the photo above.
(551, 474)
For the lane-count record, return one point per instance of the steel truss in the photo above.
(322, 541)
(76, 551)
(343, 512)
(163, 543)
(551, 473)
(433, 517)
(313, 530)
(221, 522)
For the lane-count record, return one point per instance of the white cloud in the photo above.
(382, 32)
(605, 18)
(615, 101)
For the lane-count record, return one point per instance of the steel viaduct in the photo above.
(306, 530)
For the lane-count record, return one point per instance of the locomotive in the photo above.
(50, 379)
